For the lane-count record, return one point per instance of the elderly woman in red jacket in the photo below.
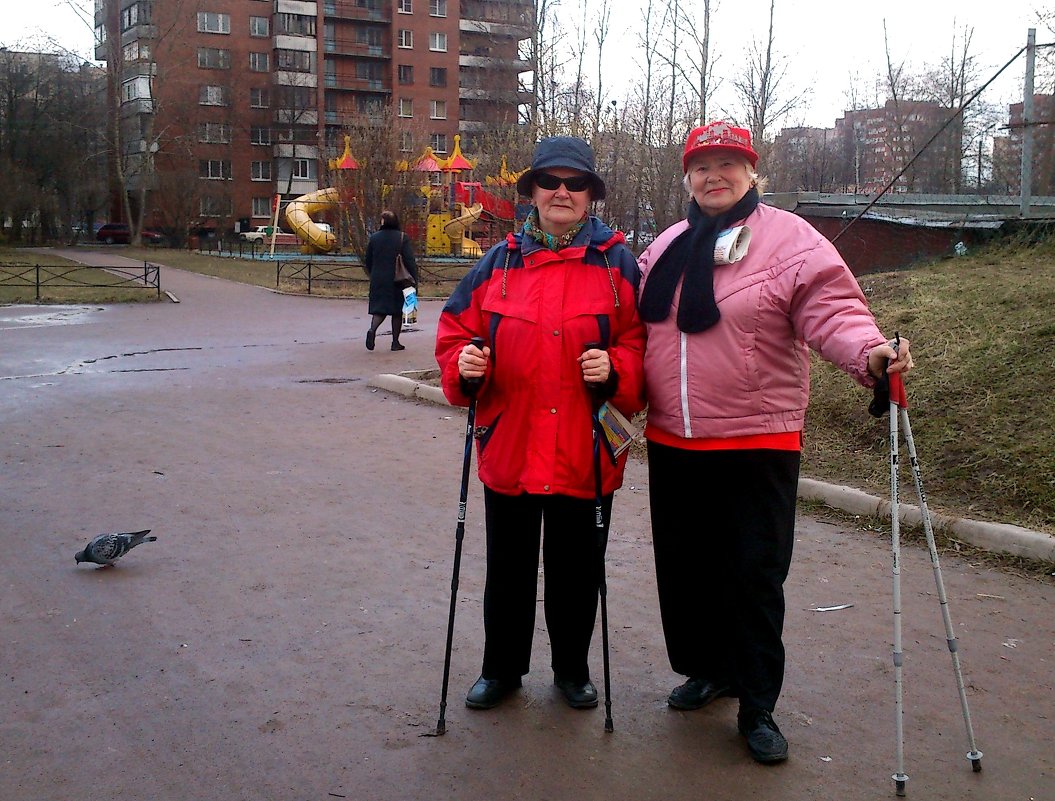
(727, 374)
(556, 307)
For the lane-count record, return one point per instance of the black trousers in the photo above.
(723, 525)
(572, 553)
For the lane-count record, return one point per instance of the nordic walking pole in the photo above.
(459, 535)
(599, 523)
(974, 755)
(884, 387)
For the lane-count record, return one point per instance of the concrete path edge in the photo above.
(997, 537)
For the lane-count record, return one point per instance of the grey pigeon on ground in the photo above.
(108, 548)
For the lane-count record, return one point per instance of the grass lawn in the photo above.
(62, 281)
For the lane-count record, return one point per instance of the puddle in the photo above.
(36, 317)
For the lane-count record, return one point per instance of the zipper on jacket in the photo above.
(684, 380)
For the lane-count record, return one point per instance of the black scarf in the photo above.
(691, 254)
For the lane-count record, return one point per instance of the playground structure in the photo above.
(452, 207)
(314, 239)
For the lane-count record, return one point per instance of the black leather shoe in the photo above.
(764, 739)
(397, 346)
(696, 694)
(578, 696)
(370, 339)
(487, 693)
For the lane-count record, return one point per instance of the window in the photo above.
(295, 24)
(439, 143)
(215, 132)
(259, 98)
(259, 135)
(406, 6)
(136, 89)
(293, 60)
(406, 142)
(258, 62)
(212, 58)
(406, 74)
(215, 206)
(438, 42)
(406, 107)
(437, 8)
(100, 35)
(213, 23)
(262, 207)
(438, 109)
(215, 169)
(135, 14)
(259, 26)
(303, 168)
(260, 171)
(213, 96)
(295, 97)
(437, 76)
(136, 51)
(369, 35)
(368, 70)
(406, 38)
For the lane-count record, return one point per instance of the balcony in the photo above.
(495, 96)
(504, 30)
(350, 83)
(488, 63)
(349, 9)
(349, 47)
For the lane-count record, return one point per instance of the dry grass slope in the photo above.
(983, 336)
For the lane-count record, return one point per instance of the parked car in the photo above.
(262, 233)
(121, 234)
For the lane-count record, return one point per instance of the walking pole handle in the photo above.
(472, 385)
(880, 404)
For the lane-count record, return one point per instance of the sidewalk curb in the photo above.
(997, 537)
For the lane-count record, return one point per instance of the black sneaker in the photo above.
(487, 693)
(764, 740)
(696, 694)
(579, 695)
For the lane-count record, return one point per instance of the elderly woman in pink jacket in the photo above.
(727, 378)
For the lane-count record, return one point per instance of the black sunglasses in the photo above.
(549, 182)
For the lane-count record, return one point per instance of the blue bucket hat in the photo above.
(562, 151)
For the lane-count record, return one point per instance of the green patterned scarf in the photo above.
(533, 228)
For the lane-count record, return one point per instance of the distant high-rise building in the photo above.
(221, 104)
(876, 144)
(1007, 150)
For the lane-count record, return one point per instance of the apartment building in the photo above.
(225, 103)
(1007, 150)
(876, 144)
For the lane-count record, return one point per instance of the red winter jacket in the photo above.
(537, 309)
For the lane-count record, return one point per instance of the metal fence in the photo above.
(39, 276)
(326, 274)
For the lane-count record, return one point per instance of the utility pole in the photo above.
(1027, 124)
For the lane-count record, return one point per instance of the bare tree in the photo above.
(600, 35)
(760, 89)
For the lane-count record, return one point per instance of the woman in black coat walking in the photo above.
(386, 294)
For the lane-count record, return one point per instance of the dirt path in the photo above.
(284, 637)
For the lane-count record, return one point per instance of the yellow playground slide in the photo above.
(298, 217)
(457, 227)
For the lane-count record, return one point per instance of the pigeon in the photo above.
(108, 548)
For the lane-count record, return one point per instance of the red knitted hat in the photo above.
(718, 136)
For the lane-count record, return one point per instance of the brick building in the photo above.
(1007, 150)
(224, 103)
(873, 145)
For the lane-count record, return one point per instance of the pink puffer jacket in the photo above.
(749, 373)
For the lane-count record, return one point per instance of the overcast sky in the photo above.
(825, 40)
